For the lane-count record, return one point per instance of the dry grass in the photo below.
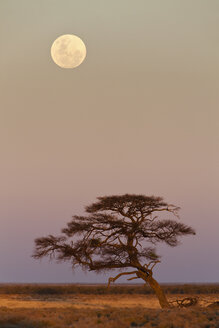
(81, 301)
(108, 318)
(108, 311)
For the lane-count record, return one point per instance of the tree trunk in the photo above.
(158, 291)
(146, 275)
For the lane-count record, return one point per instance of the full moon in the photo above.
(68, 51)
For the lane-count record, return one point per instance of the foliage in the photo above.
(114, 234)
(72, 289)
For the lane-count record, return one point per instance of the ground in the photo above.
(41, 307)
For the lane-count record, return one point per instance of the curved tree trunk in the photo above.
(158, 291)
(147, 276)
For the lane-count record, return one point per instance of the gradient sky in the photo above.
(140, 115)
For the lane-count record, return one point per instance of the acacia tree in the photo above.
(114, 235)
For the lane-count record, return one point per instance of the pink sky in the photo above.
(140, 115)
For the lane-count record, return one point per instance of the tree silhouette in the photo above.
(115, 234)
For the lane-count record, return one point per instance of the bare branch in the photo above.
(134, 278)
(113, 279)
(155, 264)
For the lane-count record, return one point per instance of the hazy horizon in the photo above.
(139, 115)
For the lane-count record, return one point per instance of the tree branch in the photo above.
(155, 264)
(113, 279)
(134, 278)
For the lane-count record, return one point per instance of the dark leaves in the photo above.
(130, 203)
(47, 245)
(114, 232)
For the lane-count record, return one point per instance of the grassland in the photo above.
(62, 306)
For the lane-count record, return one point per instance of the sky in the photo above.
(139, 115)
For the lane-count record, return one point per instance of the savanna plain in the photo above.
(62, 306)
